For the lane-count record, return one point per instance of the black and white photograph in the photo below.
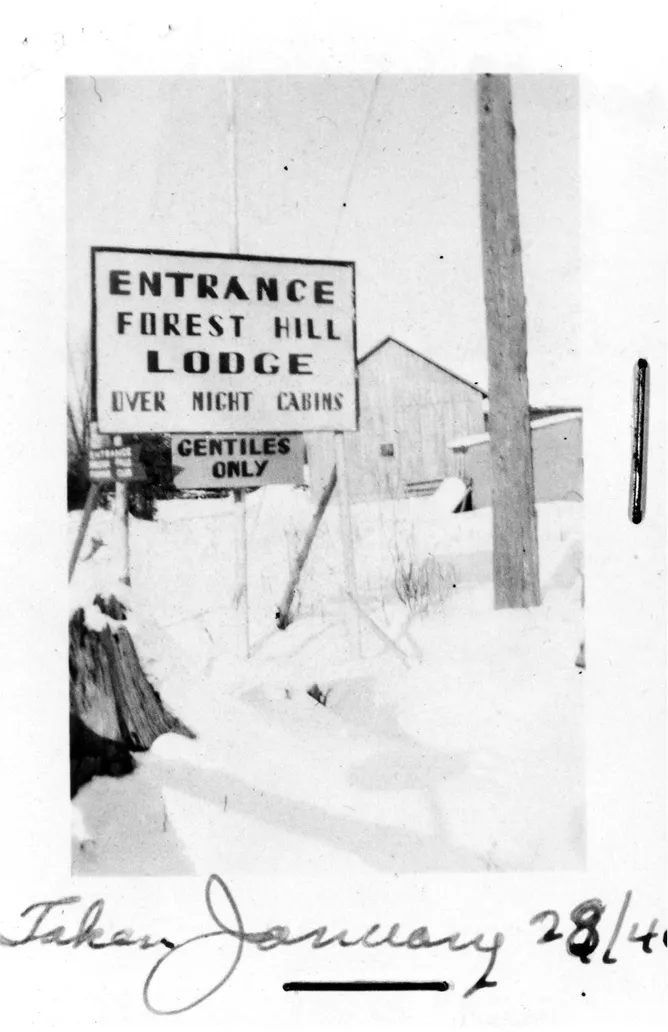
(325, 474)
(334, 517)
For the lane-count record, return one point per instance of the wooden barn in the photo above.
(410, 409)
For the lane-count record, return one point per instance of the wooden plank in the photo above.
(283, 611)
(91, 499)
(244, 572)
(379, 632)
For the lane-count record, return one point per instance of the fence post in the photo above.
(91, 499)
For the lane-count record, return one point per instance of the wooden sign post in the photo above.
(283, 612)
(244, 565)
(241, 594)
(122, 522)
(347, 544)
(112, 461)
(91, 499)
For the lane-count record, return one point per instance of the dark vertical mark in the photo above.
(638, 492)
(93, 341)
(607, 956)
(355, 358)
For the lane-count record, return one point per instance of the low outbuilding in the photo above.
(557, 460)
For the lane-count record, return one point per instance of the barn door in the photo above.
(415, 455)
(388, 463)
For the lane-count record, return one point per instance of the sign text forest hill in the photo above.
(200, 343)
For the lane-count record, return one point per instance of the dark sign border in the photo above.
(213, 254)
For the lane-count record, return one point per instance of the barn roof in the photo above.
(468, 442)
(424, 358)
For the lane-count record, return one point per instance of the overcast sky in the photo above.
(381, 172)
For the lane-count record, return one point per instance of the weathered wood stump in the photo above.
(114, 709)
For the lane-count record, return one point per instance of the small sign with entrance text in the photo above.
(110, 464)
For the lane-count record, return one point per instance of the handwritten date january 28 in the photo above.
(584, 938)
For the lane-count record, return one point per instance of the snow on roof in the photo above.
(437, 365)
(473, 439)
(562, 417)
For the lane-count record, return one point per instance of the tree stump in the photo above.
(114, 709)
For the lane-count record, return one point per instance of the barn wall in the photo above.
(409, 404)
(557, 464)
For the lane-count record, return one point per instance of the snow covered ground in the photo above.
(463, 751)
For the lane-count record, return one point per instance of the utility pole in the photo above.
(515, 536)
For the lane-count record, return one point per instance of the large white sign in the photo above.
(214, 460)
(196, 343)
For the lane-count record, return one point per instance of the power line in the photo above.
(358, 151)
(233, 164)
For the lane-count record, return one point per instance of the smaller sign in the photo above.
(105, 464)
(98, 440)
(237, 460)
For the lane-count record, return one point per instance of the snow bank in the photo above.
(192, 553)
(469, 759)
(448, 495)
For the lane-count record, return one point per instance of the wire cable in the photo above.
(356, 156)
(233, 164)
